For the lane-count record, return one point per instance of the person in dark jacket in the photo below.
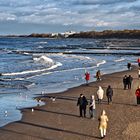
(98, 75)
(82, 103)
(85, 103)
(129, 66)
(129, 81)
(125, 81)
(109, 94)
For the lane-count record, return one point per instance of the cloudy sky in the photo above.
(43, 16)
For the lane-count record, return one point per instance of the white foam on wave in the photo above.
(32, 71)
(87, 57)
(69, 51)
(42, 42)
(67, 70)
(101, 63)
(43, 59)
(119, 60)
(26, 53)
(40, 47)
(52, 67)
(28, 86)
(79, 57)
(74, 69)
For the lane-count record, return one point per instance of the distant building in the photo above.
(54, 34)
(67, 33)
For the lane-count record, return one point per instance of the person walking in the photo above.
(103, 120)
(138, 60)
(139, 73)
(137, 93)
(129, 81)
(129, 66)
(84, 106)
(125, 81)
(100, 94)
(109, 94)
(87, 77)
(82, 103)
(92, 107)
(98, 75)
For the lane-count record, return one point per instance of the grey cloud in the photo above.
(75, 13)
(135, 8)
(100, 2)
(7, 17)
(124, 9)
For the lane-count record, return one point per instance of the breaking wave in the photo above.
(101, 63)
(33, 71)
(40, 47)
(42, 59)
(119, 60)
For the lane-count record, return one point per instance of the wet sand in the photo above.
(59, 119)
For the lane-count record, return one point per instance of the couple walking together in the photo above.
(109, 94)
(82, 103)
(127, 81)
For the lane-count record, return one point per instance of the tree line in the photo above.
(108, 34)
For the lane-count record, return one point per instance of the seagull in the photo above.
(53, 99)
(32, 110)
(6, 113)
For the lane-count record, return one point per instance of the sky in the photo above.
(51, 16)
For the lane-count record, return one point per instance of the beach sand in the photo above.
(59, 119)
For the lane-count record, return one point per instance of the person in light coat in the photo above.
(103, 120)
(92, 107)
(139, 73)
(100, 94)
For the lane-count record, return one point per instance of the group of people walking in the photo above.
(83, 102)
(103, 119)
(127, 81)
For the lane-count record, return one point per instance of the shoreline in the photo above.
(80, 85)
(69, 99)
(61, 90)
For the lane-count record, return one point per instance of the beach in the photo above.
(44, 65)
(51, 56)
(59, 119)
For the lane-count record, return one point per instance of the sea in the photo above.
(32, 66)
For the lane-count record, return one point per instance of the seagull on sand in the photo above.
(53, 99)
(32, 110)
